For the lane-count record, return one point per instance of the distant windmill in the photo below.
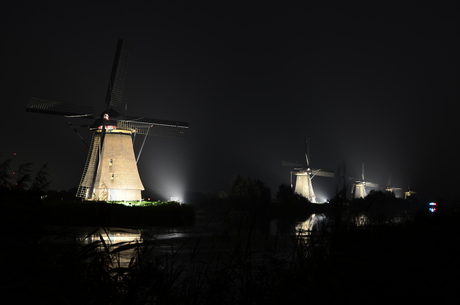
(111, 171)
(304, 174)
(391, 189)
(359, 185)
(409, 193)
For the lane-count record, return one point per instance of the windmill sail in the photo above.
(322, 173)
(119, 74)
(307, 153)
(154, 127)
(59, 108)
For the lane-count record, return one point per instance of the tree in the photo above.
(289, 200)
(40, 181)
(21, 181)
(247, 193)
(5, 177)
(21, 178)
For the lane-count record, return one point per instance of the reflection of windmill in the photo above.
(304, 174)
(359, 185)
(111, 171)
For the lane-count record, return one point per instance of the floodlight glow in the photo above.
(166, 186)
(176, 199)
(321, 196)
(321, 200)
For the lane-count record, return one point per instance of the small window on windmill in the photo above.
(111, 162)
(112, 176)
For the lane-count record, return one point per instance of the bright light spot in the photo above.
(113, 239)
(176, 199)
(321, 196)
(433, 206)
(321, 200)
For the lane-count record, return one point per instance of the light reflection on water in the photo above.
(111, 239)
(164, 241)
(313, 222)
(203, 244)
(318, 222)
(172, 240)
(112, 235)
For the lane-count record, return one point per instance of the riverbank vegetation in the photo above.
(338, 261)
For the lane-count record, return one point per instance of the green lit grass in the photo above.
(144, 203)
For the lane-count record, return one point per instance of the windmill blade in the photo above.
(362, 172)
(119, 73)
(154, 127)
(322, 173)
(409, 190)
(289, 164)
(307, 152)
(372, 185)
(58, 108)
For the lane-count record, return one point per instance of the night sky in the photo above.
(366, 83)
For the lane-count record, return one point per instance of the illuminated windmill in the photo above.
(391, 189)
(304, 174)
(359, 185)
(409, 193)
(111, 172)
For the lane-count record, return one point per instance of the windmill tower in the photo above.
(359, 186)
(111, 172)
(304, 174)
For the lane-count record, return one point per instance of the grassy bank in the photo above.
(98, 214)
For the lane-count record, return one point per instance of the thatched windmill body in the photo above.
(111, 172)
